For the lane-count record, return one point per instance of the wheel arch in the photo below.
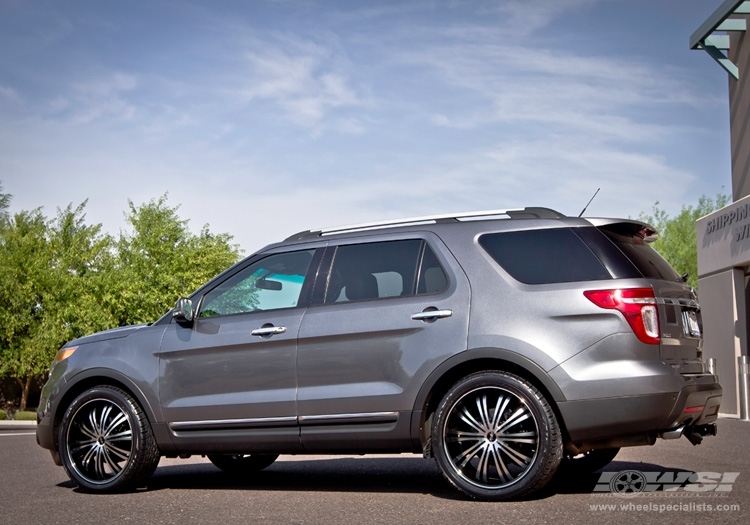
(469, 362)
(105, 377)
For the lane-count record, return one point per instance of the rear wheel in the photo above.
(105, 441)
(239, 464)
(496, 436)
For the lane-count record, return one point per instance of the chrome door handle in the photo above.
(268, 330)
(426, 315)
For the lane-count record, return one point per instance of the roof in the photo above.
(524, 213)
(705, 36)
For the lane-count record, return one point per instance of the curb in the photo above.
(15, 423)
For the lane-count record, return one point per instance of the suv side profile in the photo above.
(501, 343)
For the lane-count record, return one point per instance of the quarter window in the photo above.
(544, 256)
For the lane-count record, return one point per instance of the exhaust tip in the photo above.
(674, 433)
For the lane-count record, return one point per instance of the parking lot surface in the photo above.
(388, 489)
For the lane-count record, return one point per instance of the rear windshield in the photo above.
(644, 257)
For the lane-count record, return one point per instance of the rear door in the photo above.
(390, 310)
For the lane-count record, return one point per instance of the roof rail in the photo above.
(518, 213)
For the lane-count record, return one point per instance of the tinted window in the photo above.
(272, 283)
(544, 256)
(432, 278)
(381, 270)
(644, 257)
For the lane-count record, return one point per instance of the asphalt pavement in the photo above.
(388, 489)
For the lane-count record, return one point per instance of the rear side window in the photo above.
(381, 270)
(544, 256)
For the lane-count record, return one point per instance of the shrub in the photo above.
(3, 415)
(26, 415)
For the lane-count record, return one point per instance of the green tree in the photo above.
(161, 260)
(51, 274)
(677, 235)
(61, 279)
(5, 199)
(24, 276)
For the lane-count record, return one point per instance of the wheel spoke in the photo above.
(473, 423)
(515, 455)
(518, 416)
(121, 418)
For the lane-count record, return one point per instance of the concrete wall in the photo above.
(722, 296)
(739, 112)
(724, 242)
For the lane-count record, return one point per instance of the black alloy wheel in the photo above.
(496, 437)
(105, 441)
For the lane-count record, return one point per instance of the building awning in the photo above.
(712, 35)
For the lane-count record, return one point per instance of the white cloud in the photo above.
(526, 16)
(303, 79)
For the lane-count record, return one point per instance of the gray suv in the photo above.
(505, 344)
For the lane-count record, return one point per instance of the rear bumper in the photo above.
(639, 419)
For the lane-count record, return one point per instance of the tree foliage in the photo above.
(677, 235)
(160, 260)
(62, 278)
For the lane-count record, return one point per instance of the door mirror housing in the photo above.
(183, 310)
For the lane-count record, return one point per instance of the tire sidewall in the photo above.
(549, 438)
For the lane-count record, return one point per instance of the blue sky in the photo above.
(262, 118)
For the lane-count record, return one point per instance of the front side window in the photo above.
(381, 270)
(272, 283)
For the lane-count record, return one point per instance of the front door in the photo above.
(228, 382)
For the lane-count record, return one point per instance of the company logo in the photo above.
(629, 483)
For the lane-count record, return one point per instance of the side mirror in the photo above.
(183, 310)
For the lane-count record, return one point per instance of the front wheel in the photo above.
(239, 464)
(496, 436)
(105, 441)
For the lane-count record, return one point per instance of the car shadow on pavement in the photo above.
(365, 474)
(567, 482)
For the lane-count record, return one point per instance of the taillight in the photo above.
(638, 305)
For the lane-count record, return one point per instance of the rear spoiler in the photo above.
(628, 227)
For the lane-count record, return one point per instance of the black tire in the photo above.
(242, 464)
(105, 441)
(496, 437)
(590, 461)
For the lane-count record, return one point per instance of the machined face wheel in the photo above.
(105, 441)
(99, 441)
(491, 437)
(496, 437)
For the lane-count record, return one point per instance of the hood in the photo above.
(114, 333)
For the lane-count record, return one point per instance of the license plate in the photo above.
(690, 324)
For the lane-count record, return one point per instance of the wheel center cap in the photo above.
(100, 440)
(491, 436)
